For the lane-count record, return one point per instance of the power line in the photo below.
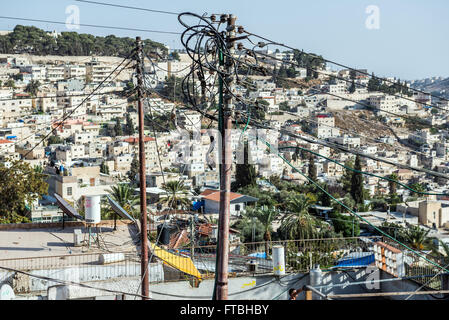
(89, 25)
(128, 7)
(350, 81)
(336, 63)
(353, 212)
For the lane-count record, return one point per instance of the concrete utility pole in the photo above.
(143, 187)
(225, 172)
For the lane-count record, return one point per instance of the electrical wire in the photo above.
(353, 212)
(89, 25)
(335, 63)
(127, 7)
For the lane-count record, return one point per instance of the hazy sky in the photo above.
(411, 42)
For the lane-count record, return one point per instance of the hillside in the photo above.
(434, 86)
(35, 41)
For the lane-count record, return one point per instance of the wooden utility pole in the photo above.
(143, 187)
(225, 170)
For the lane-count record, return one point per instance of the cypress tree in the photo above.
(118, 127)
(357, 182)
(134, 171)
(129, 127)
(312, 168)
(245, 173)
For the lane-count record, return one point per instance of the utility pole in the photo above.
(225, 170)
(192, 238)
(143, 187)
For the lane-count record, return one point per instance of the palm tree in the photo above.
(266, 216)
(176, 194)
(123, 194)
(416, 237)
(445, 254)
(298, 223)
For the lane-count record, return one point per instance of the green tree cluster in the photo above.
(32, 40)
(20, 186)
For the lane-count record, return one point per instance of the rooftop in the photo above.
(45, 242)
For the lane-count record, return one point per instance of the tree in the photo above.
(33, 87)
(417, 187)
(129, 127)
(298, 223)
(55, 140)
(392, 185)
(118, 127)
(175, 56)
(357, 182)
(10, 84)
(348, 226)
(245, 173)
(29, 39)
(416, 237)
(283, 106)
(373, 83)
(173, 89)
(104, 168)
(176, 194)
(312, 168)
(134, 170)
(20, 186)
(124, 195)
(266, 216)
(352, 87)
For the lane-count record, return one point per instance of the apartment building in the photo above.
(55, 73)
(74, 72)
(324, 126)
(385, 104)
(98, 71)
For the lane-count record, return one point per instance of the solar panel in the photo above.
(67, 208)
(119, 210)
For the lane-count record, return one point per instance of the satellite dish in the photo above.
(6, 292)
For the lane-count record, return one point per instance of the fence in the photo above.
(300, 255)
(419, 269)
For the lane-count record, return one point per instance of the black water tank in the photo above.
(164, 233)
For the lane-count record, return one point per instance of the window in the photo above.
(69, 191)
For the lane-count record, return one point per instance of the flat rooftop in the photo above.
(47, 242)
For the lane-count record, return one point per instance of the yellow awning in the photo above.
(183, 264)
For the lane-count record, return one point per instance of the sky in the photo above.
(402, 38)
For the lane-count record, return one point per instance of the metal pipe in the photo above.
(143, 194)
(309, 288)
(385, 294)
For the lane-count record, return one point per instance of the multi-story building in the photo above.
(55, 73)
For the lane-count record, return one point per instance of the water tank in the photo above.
(278, 261)
(92, 209)
(164, 233)
(106, 258)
